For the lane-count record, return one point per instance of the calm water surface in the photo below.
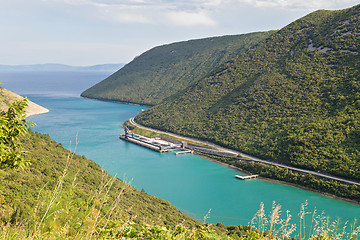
(191, 183)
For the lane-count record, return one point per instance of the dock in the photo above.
(246, 177)
(156, 143)
(143, 142)
(180, 151)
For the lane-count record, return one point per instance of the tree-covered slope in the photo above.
(292, 98)
(164, 70)
(26, 193)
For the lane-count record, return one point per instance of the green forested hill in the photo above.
(164, 70)
(292, 98)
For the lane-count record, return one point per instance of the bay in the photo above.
(191, 183)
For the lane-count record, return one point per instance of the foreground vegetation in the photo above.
(293, 98)
(164, 70)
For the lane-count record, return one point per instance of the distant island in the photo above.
(61, 67)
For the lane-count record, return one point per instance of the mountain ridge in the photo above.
(161, 71)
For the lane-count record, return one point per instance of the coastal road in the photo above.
(247, 157)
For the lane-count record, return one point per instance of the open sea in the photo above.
(191, 183)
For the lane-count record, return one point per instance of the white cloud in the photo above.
(187, 12)
(93, 31)
(123, 14)
(129, 18)
(295, 4)
(190, 19)
(179, 13)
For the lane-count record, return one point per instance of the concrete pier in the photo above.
(246, 177)
(142, 142)
(157, 144)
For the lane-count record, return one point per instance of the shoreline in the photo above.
(279, 182)
(36, 113)
(35, 109)
(248, 157)
(117, 101)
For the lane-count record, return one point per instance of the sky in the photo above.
(90, 32)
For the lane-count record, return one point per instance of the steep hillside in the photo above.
(7, 97)
(164, 70)
(293, 98)
(86, 191)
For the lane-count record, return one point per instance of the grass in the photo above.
(320, 227)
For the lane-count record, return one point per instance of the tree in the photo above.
(12, 125)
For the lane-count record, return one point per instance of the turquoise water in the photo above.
(191, 183)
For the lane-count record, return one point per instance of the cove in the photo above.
(191, 183)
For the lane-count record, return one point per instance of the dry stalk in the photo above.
(260, 219)
(206, 216)
(102, 203)
(58, 188)
(114, 205)
(302, 214)
(274, 217)
(286, 228)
